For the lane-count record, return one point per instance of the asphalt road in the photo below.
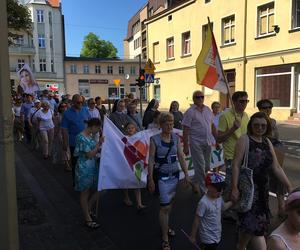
(58, 223)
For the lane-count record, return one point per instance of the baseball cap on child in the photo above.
(216, 180)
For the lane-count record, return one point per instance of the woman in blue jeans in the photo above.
(165, 152)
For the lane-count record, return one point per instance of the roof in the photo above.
(54, 3)
(93, 59)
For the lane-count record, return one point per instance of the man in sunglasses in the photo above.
(233, 124)
(73, 122)
(197, 136)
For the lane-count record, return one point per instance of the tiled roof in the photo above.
(54, 3)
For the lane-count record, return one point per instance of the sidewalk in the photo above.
(49, 214)
(289, 133)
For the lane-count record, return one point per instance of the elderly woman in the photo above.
(165, 149)
(134, 116)
(261, 159)
(46, 127)
(118, 115)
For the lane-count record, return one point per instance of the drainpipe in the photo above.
(245, 46)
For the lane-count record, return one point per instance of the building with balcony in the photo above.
(43, 50)
(258, 42)
(108, 78)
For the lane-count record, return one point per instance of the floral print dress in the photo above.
(256, 220)
(86, 169)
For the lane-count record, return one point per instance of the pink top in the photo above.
(199, 124)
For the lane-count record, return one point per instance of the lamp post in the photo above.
(8, 203)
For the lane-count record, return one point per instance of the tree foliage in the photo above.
(18, 18)
(93, 46)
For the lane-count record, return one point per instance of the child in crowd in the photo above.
(131, 130)
(208, 214)
(287, 235)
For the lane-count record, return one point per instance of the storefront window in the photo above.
(274, 83)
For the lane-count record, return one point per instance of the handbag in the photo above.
(245, 184)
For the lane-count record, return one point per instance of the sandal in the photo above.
(171, 232)
(165, 245)
(92, 224)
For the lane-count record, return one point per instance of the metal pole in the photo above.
(141, 106)
(8, 203)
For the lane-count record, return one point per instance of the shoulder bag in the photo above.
(245, 184)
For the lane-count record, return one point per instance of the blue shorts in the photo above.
(167, 187)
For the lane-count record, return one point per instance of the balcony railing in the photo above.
(24, 50)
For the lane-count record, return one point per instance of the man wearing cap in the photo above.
(197, 135)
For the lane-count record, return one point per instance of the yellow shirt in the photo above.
(225, 123)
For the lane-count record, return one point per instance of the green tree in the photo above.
(18, 18)
(93, 46)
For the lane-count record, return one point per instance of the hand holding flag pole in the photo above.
(209, 69)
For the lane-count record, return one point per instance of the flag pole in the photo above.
(223, 73)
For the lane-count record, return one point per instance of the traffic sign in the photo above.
(149, 67)
(117, 82)
(149, 78)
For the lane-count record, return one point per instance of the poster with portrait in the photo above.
(27, 82)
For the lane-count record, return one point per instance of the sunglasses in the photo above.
(266, 107)
(199, 97)
(243, 101)
(260, 125)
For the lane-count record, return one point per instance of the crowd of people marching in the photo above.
(68, 130)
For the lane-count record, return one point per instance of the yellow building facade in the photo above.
(107, 78)
(258, 41)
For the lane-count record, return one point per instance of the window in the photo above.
(86, 69)
(265, 19)
(116, 92)
(33, 65)
(156, 52)
(42, 43)
(150, 12)
(19, 40)
(274, 83)
(73, 68)
(205, 30)
(84, 87)
(170, 48)
(98, 69)
(40, 16)
(136, 27)
(50, 17)
(170, 18)
(52, 66)
(21, 63)
(186, 43)
(207, 1)
(228, 30)
(137, 43)
(110, 70)
(295, 14)
(156, 92)
(132, 70)
(43, 66)
(121, 70)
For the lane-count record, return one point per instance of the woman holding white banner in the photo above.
(86, 169)
(165, 148)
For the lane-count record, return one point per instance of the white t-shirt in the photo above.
(33, 114)
(210, 227)
(94, 113)
(17, 110)
(46, 121)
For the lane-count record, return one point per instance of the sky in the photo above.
(107, 19)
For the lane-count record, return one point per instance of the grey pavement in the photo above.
(290, 136)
